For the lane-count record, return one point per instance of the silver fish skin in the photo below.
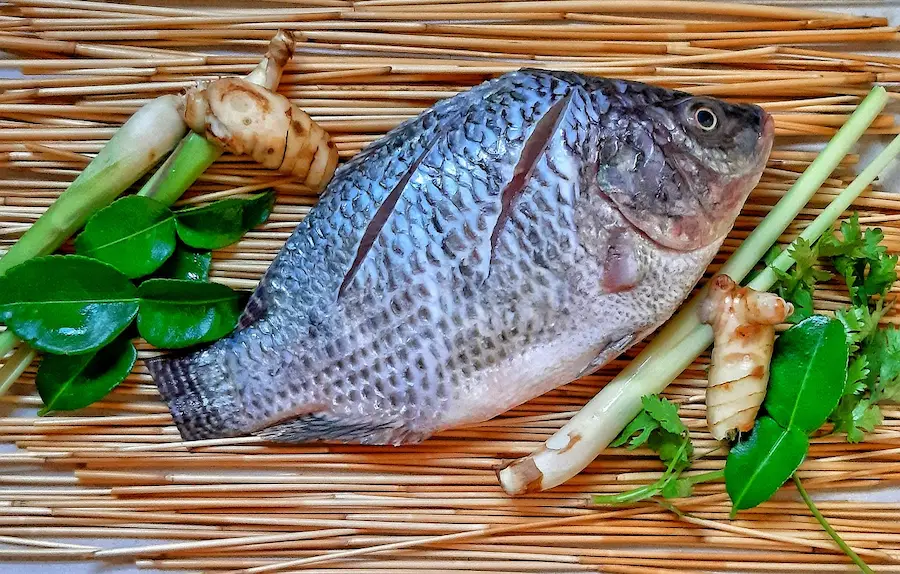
(503, 243)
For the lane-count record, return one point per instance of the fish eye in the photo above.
(706, 118)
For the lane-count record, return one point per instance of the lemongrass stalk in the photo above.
(190, 159)
(8, 342)
(135, 148)
(15, 366)
(591, 430)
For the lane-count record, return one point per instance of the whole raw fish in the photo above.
(501, 244)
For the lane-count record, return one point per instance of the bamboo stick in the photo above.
(615, 6)
(240, 504)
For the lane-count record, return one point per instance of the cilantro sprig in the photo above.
(868, 271)
(659, 428)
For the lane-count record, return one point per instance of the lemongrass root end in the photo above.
(521, 476)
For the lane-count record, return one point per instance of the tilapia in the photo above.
(503, 243)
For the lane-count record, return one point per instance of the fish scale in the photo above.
(475, 257)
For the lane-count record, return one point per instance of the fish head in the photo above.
(679, 167)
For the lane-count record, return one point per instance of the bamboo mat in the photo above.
(118, 471)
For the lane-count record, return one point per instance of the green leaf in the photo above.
(66, 304)
(135, 235)
(186, 263)
(67, 383)
(857, 372)
(889, 369)
(665, 412)
(881, 275)
(681, 488)
(638, 430)
(756, 468)
(856, 416)
(669, 447)
(872, 248)
(862, 260)
(176, 313)
(802, 299)
(659, 427)
(798, 283)
(851, 241)
(808, 373)
(866, 417)
(223, 222)
(859, 324)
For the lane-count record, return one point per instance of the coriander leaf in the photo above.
(222, 223)
(880, 276)
(644, 492)
(803, 305)
(890, 354)
(847, 267)
(875, 348)
(674, 449)
(860, 325)
(798, 283)
(806, 256)
(855, 321)
(861, 260)
(665, 412)
(872, 248)
(66, 304)
(70, 382)
(638, 430)
(883, 352)
(851, 241)
(681, 488)
(134, 234)
(659, 428)
(856, 417)
(857, 372)
(867, 417)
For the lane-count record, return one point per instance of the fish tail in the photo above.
(200, 394)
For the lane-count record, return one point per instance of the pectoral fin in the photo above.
(621, 268)
(609, 352)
